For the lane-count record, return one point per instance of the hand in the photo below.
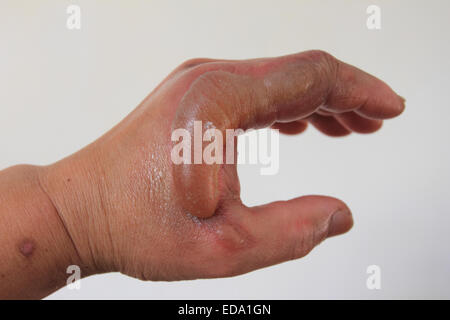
(128, 208)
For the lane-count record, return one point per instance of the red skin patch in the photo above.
(27, 247)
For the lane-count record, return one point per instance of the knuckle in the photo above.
(324, 68)
(299, 247)
(210, 94)
(305, 240)
(320, 56)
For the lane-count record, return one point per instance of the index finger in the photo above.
(256, 94)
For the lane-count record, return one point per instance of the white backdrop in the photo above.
(61, 89)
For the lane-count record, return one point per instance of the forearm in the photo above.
(35, 248)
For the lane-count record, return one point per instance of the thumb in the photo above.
(286, 230)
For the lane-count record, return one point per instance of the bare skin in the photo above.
(120, 204)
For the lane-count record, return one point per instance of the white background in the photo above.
(62, 89)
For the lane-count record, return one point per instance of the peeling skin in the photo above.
(27, 248)
(282, 93)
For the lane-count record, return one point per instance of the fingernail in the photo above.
(403, 104)
(340, 222)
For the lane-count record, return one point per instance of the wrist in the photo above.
(36, 249)
(75, 187)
